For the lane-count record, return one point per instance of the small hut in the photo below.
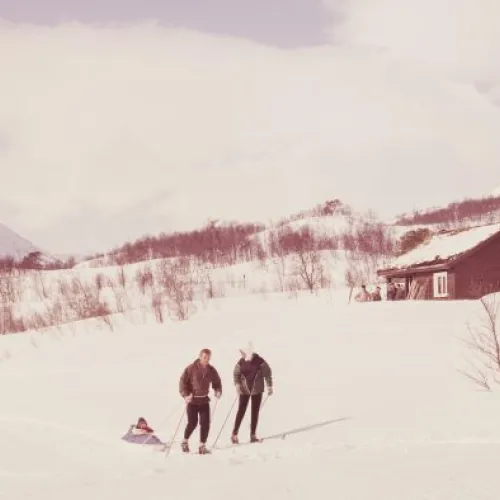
(457, 264)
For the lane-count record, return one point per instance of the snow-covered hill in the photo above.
(332, 219)
(14, 245)
(373, 392)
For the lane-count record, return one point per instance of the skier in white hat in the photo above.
(250, 373)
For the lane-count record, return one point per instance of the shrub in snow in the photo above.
(412, 239)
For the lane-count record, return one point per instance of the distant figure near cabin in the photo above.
(363, 295)
(400, 293)
(376, 297)
(391, 291)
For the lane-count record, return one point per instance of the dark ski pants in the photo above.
(195, 412)
(242, 408)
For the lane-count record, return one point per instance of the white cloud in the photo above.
(456, 36)
(109, 118)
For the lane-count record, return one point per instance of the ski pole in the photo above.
(225, 421)
(167, 453)
(264, 402)
(161, 424)
(215, 408)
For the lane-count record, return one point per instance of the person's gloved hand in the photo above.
(188, 399)
(270, 391)
(218, 394)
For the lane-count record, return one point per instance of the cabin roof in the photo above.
(442, 250)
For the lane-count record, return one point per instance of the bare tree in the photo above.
(358, 272)
(144, 279)
(84, 300)
(121, 299)
(176, 279)
(310, 270)
(157, 305)
(11, 290)
(278, 257)
(304, 250)
(351, 281)
(484, 341)
(9, 322)
(122, 277)
(40, 284)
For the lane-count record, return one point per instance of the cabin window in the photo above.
(441, 284)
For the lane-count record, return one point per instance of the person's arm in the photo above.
(237, 378)
(237, 374)
(267, 373)
(216, 382)
(184, 383)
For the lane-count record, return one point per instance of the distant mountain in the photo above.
(14, 245)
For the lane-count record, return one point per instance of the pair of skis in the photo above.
(280, 435)
(167, 447)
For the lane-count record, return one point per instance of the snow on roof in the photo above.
(445, 246)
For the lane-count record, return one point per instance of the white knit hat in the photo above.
(247, 351)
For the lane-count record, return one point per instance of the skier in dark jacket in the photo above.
(391, 291)
(249, 374)
(194, 387)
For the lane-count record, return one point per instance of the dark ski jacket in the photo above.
(250, 375)
(196, 380)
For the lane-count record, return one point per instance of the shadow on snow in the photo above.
(283, 435)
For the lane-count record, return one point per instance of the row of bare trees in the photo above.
(34, 260)
(214, 244)
(227, 244)
(481, 210)
(171, 288)
(64, 301)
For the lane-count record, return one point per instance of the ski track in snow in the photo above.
(414, 427)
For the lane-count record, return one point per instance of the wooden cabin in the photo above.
(457, 264)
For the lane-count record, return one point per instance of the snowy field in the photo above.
(414, 427)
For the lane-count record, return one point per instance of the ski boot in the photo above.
(185, 447)
(234, 439)
(203, 450)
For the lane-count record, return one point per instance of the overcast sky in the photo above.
(125, 117)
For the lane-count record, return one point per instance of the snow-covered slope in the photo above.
(331, 219)
(14, 245)
(414, 427)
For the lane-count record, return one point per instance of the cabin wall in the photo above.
(452, 285)
(479, 274)
(421, 287)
